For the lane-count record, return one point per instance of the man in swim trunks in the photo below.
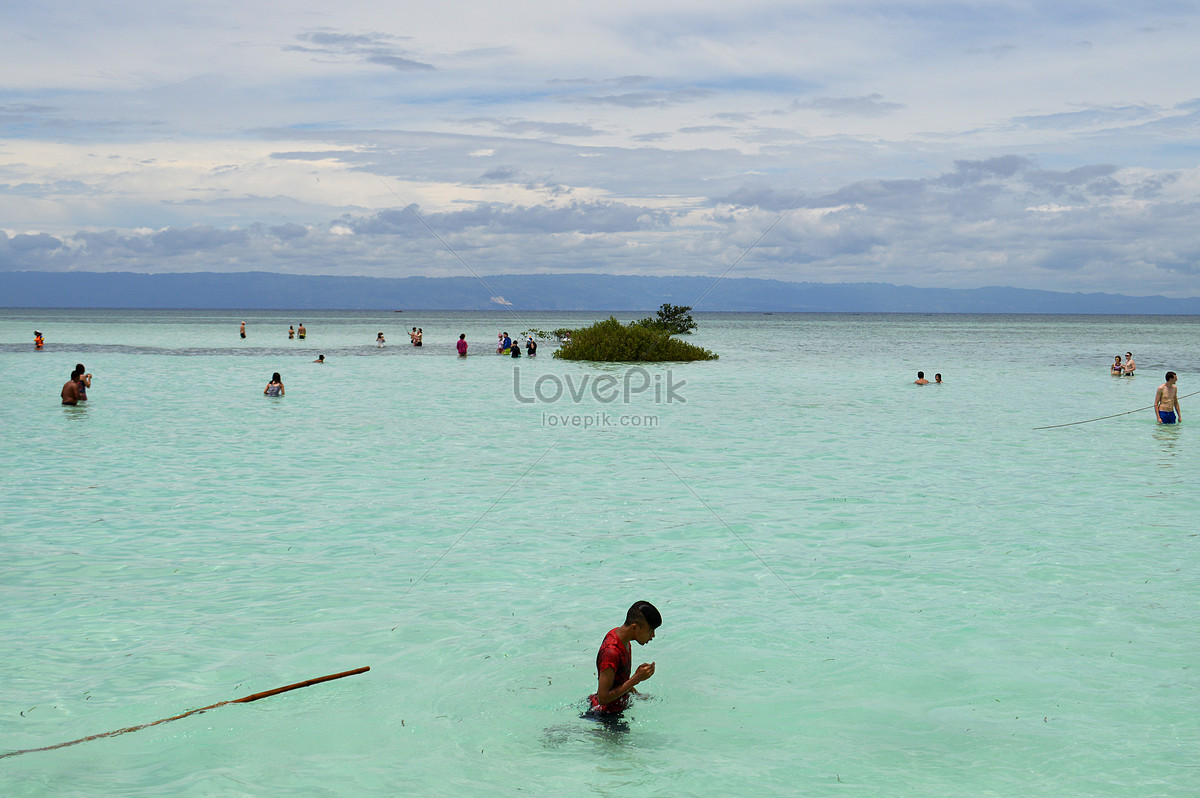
(70, 390)
(300, 331)
(1166, 402)
(920, 380)
(613, 661)
(242, 331)
(1128, 366)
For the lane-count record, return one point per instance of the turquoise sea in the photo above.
(869, 588)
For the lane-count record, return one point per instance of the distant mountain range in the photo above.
(265, 290)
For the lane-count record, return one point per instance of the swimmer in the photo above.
(921, 379)
(379, 340)
(38, 340)
(515, 351)
(291, 332)
(242, 331)
(500, 343)
(462, 345)
(937, 379)
(531, 347)
(70, 390)
(274, 387)
(83, 381)
(300, 331)
(613, 662)
(1166, 402)
(420, 335)
(412, 336)
(1115, 369)
(1128, 366)
(320, 359)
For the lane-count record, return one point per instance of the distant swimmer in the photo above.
(1128, 366)
(420, 337)
(83, 381)
(38, 340)
(1166, 402)
(921, 379)
(275, 386)
(937, 379)
(515, 351)
(300, 331)
(379, 340)
(462, 345)
(500, 343)
(614, 683)
(412, 336)
(531, 347)
(242, 331)
(320, 359)
(1116, 369)
(291, 332)
(70, 389)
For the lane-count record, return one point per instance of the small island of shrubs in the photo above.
(644, 341)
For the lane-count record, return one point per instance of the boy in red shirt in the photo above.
(615, 658)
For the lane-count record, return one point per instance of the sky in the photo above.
(933, 144)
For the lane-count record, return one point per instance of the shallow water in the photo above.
(868, 587)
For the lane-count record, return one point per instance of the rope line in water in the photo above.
(1114, 415)
(244, 700)
(741, 540)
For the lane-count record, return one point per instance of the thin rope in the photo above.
(457, 540)
(1114, 415)
(409, 207)
(741, 540)
(758, 240)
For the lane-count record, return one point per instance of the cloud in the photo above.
(872, 105)
(369, 48)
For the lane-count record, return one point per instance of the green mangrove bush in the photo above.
(610, 341)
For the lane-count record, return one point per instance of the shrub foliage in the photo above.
(610, 341)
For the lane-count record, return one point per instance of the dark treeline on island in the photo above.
(269, 291)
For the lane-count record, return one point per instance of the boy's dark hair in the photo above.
(643, 612)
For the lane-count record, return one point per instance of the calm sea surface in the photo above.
(869, 588)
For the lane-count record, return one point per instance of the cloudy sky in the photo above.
(950, 144)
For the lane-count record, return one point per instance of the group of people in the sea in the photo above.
(920, 380)
(506, 346)
(1126, 369)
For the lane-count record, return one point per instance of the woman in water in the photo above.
(379, 340)
(275, 386)
(1115, 369)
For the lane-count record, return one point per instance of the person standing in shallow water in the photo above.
(291, 332)
(242, 331)
(300, 331)
(275, 386)
(614, 683)
(70, 389)
(1166, 402)
(921, 379)
(1128, 367)
(462, 345)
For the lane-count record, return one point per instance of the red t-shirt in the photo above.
(616, 655)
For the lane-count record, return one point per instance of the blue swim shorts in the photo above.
(1167, 417)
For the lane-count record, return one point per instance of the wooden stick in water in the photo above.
(246, 699)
